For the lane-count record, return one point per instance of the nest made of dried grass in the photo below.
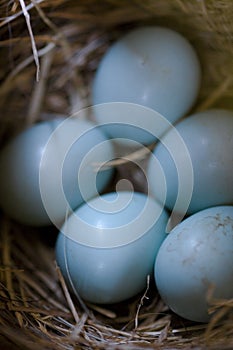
(50, 50)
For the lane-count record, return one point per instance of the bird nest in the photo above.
(50, 50)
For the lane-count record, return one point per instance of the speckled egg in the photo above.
(195, 263)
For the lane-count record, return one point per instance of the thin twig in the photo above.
(102, 311)
(79, 326)
(136, 155)
(40, 88)
(67, 295)
(34, 49)
(9, 19)
(78, 85)
(7, 85)
(141, 301)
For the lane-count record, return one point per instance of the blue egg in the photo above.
(49, 169)
(196, 260)
(107, 247)
(154, 67)
(208, 145)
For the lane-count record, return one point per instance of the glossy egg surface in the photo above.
(196, 259)
(49, 169)
(208, 137)
(108, 246)
(155, 67)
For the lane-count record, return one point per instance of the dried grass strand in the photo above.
(216, 94)
(39, 92)
(15, 76)
(33, 43)
(141, 302)
(9, 19)
(37, 310)
(67, 295)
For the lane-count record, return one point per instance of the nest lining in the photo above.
(60, 45)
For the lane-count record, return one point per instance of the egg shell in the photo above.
(208, 138)
(108, 246)
(151, 66)
(49, 167)
(195, 259)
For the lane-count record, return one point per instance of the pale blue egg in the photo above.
(196, 260)
(107, 248)
(151, 66)
(49, 169)
(208, 139)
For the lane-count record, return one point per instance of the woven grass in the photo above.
(49, 52)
